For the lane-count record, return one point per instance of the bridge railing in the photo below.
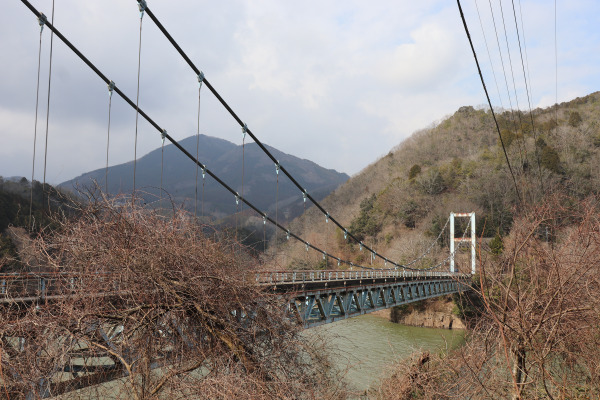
(40, 285)
(279, 277)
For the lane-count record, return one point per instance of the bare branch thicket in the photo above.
(150, 300)
(538, 335)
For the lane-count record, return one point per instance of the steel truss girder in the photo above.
(323, 306)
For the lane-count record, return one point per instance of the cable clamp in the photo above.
(42, 20)
(265, 219)
(360, 245)
(287, 235)
(277, 167)
(345, 234)
(327, 218)
(307, 244)
(304, 195)
(203, 171)
(200, 78)
(142, 6)
(111, 88)
(237, 199)
(324, 255)
(245, 129)
(163, 135)
(338, 262)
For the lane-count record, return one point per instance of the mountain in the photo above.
(399, 203)
(225, 160)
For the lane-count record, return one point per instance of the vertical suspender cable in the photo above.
(162, 164)
(556, 68)
(488, 99)
(276, 207)
(48, 113)
(111, 87)
(514, 121)
(37, 97)
(527, 90)
(142, 7)
(197, 147)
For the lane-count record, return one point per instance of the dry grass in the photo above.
(177, 300)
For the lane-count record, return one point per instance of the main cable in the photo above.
(164, 133)
(489, 101)
(249, 132)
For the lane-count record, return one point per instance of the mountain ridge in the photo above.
(224, 159)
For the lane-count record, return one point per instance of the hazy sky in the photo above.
(336, 82)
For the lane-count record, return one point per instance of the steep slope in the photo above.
(399, 203)
(225, 160)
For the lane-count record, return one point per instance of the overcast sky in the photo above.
(337, 82)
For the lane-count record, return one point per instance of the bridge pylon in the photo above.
(453, 239)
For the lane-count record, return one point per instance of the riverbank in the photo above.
(363, 348)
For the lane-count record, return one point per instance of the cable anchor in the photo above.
(42, 20)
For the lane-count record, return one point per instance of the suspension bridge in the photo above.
(312, 297)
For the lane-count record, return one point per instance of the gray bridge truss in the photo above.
(321, 297)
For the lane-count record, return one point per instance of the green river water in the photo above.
(366, 346)
(363, 348)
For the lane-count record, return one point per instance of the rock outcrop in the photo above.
(435, 313)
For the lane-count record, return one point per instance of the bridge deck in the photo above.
(320, 297)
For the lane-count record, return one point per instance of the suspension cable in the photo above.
(489, 101)
(276, 204)
(204, 168)
(162, 162)
(249, 132)
(111, 88)
(42, 22)
(556, 69)
(200, 79)
(527, 89)
(142, 8)
(48, 116)
(512, 112)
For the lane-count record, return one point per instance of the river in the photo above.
(365, 346)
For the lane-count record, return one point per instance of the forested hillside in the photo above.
(15, 196)
(399, 203)
(178, 177)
